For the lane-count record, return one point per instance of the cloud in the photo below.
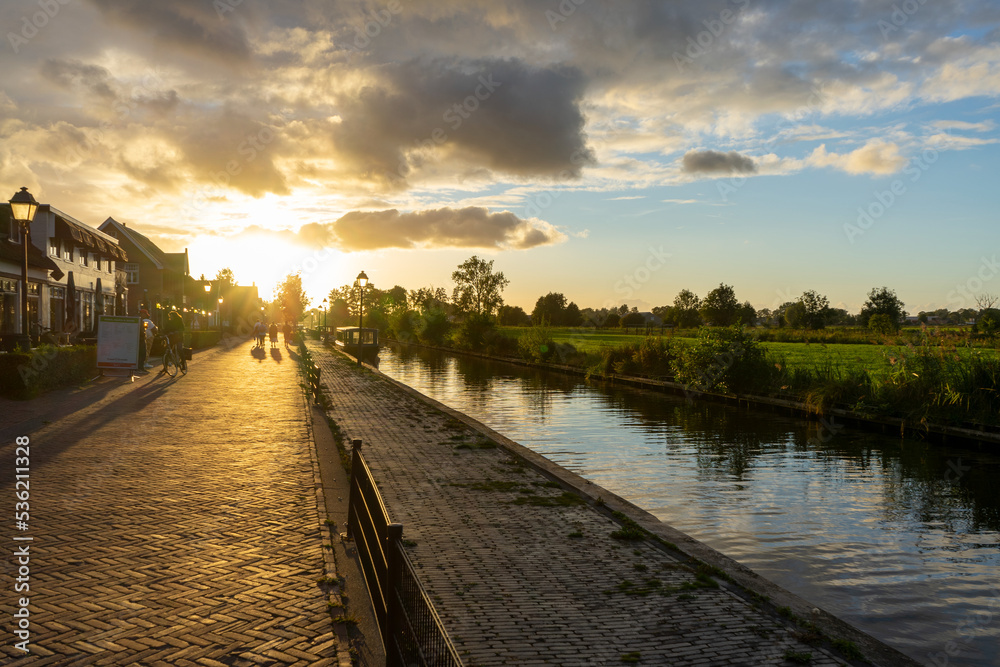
(713, 162)
(985, 126)
(499, 114)
(875, 157)
(193, 26)
(470, 227)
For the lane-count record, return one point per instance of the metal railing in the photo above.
(411, 629)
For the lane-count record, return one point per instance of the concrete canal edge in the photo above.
(736, 577)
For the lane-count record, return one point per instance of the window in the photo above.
(83, 257)
(53, 247)
(67, 252)
(132, 274)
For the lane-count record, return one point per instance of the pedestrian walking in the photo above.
(147, 333)
(258, 334)
(272, 333)
(287, 331)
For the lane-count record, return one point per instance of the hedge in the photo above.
(24, 375)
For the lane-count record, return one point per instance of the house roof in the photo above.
(144, 245)
(68, 227)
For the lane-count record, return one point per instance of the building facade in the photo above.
(157, 281)
(73, 274)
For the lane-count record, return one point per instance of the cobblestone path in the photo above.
(175, 522)
(522, 572)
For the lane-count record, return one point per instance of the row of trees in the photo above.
(478, 294)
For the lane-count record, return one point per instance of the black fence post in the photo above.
(352, 498)
(394, 611)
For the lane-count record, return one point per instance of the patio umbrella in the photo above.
(98, 305)
(70, 324)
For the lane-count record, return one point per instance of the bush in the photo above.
(405, 324)
(536, 344)
(434, 327)
(882, 324)
(725, 360)
(201, 339)
(473, 332)
(47, 367)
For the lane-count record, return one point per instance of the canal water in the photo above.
(899, 538)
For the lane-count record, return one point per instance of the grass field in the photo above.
(839, 356)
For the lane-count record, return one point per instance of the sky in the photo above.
(616, 152)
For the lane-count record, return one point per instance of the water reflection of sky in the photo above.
(899, 538)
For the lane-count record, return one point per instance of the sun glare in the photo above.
(256, 259)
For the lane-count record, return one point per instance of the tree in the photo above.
(477, 288)
(290, 298)
(225, 278)
(816, 309)
(549, 309)
(686, 307)
(572, 317)
(720, 307)
(339, 314)
(512, 316)
(795, 314)
(882, 301)
(746, 314)
(395, 298)
(634, 319)
(426, 298)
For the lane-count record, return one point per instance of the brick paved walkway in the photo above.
(521, 573)
(175, 522)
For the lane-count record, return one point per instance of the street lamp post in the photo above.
(208, 291)
(22, 208)
(324, 316)
(218, 316)
(362, 282)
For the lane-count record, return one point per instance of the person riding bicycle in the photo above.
(174, 329)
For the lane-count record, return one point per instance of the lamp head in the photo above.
(23, 205)
(362, 279)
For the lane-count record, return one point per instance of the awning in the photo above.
(66, 229)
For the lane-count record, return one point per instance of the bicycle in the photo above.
(172, 361)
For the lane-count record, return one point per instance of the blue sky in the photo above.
(615, 152)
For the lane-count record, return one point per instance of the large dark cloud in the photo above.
(191, 25)
(500, 114)
(470, 227)
(714, 162)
